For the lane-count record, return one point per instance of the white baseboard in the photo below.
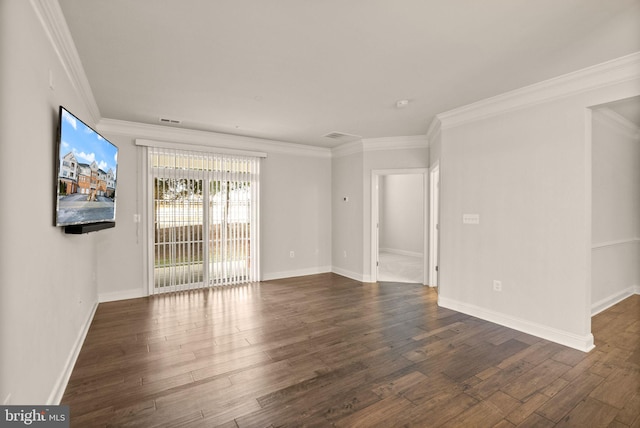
(121, 295)
(400, 252)
(293, 273)
(581, 343)
(351, 275)
(367, 279)
(61, 384)
(607, 302)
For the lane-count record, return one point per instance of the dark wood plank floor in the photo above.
(324, 350)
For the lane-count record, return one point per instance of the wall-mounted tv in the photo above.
(87, 165)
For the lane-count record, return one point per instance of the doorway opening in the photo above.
(614, 137)
(399, 226)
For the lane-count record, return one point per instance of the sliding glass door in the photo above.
(179, 231)
(205, 219)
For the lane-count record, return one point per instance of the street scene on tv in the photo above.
(87, 174)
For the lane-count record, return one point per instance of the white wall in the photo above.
(47, 279)
(121, 266)
(616, 209)
(401, 213)
(346, 216)
(522, 162)
(295, 215)
(522, 173)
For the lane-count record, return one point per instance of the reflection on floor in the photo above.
(395, 267)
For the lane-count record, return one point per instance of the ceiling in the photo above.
(296, 70)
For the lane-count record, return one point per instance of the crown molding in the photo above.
(197, 148)
(383, 143)
(434, 130)
(55, 26)
(138, 130)
(346, 149)
(601, 75)
(395, 143)
(617, 122)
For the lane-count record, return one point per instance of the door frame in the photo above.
(375, 216)
(434, 225)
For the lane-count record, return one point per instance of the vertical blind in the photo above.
(205, 218)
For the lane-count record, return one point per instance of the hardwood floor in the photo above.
(324, 350)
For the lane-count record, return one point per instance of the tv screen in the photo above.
(86, 176)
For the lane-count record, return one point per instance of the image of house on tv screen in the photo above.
(87, 174)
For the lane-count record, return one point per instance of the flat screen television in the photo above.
(86, 177)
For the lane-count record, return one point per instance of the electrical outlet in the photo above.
(497, 285)
(344, 253)
(292, 254)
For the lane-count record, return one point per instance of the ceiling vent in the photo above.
(340, 135)
(172, 121)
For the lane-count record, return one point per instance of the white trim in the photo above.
(55, 26)
(581, 343)
(401, 171)
(197, 148)
(395, 143)
(368, 279)
(607, 302)
(294, 273)
(608, 73)
(61, 384)
(406, 142)
(375, 225)
(587, 287)
(434, 224)
(434, 129)
(614, 243)
(146, 204)
(400, 252)
(349, 274)
(425, 226)
(121, 295)
(347, 149)
(205, 138)
(614, 120)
